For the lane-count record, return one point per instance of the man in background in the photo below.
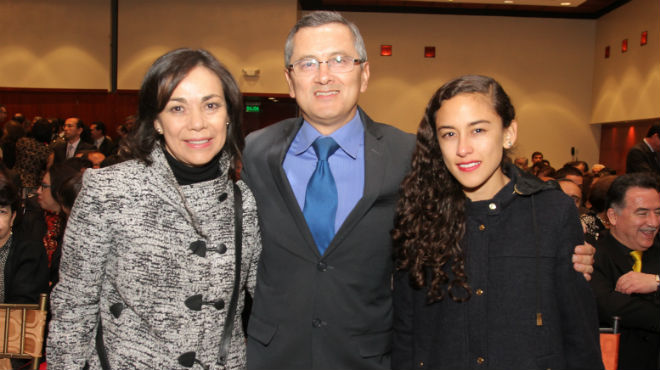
(626, 268)
(643, 157)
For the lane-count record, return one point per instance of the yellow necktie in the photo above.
(637, 256)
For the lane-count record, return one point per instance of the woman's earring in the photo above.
(159, 130)
(228, 123)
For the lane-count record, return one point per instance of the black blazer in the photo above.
(640, 313)
(641, 159)
(107, 147)
(332, 311)
(26, 271)
(59, 150)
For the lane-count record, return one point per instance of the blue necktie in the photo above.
(321, 196)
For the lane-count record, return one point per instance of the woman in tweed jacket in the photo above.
(149, 250)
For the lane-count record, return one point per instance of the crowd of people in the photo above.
(361, 246)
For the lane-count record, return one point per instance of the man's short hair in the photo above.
(537, 153)
(99, 126)
(616, 194)
(655, 129)
(320, 18)
(566, 171)
(79, 123)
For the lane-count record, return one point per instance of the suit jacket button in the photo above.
(219, 304)
(322, 266)
(317, 323)
(480, 360)
(222, 248)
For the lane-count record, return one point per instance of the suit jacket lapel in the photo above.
(375, 169)
(275, 158)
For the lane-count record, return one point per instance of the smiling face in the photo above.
(328, 100)
(636, 224)
(471, 138)
(194, 121)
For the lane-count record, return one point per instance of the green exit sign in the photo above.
(252, 108)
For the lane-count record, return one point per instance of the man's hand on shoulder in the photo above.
(583, 259)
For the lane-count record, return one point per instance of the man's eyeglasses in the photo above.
(339, 63)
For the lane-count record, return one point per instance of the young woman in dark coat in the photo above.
(483, 251)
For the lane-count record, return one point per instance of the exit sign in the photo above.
(252, 108)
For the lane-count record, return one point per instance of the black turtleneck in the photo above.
(186, 175)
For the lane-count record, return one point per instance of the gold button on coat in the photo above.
(480, 360)
(482, 227)
(479, 292)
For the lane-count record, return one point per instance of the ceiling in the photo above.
(589, 9)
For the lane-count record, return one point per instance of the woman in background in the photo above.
(23, 262)
(155, 258)
(483, 251)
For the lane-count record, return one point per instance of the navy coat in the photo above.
(514, 272)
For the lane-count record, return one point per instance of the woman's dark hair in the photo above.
(8, 191)
(598, 193)
(160, 81)
(430, 220)
(60, 173)
(68, 191)
(13, 131)
(42, 131)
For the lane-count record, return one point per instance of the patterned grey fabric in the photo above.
(127, 257)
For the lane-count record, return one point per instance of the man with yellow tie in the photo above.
(626, 268)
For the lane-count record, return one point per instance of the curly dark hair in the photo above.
(160, 81)
(430, 218)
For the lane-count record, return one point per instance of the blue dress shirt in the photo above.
(346, 164)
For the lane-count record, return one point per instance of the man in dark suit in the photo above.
(102, 142)
(323, 298)
(73, 128)
(625, 278)
(332, 308)
(643, 157)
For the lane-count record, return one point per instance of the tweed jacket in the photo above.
(154, 262)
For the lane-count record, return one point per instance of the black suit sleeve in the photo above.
(635, 312)
(28, 273)
(638, 161)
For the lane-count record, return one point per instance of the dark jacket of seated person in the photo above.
(624, 288)
(23, 261)
(26, 271)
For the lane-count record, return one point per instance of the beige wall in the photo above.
(627, 85)
(55, 44)
(552, 68)
(545, 65)
(247, 33)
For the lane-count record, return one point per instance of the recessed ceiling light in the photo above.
(508, 1)
(565, 4)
